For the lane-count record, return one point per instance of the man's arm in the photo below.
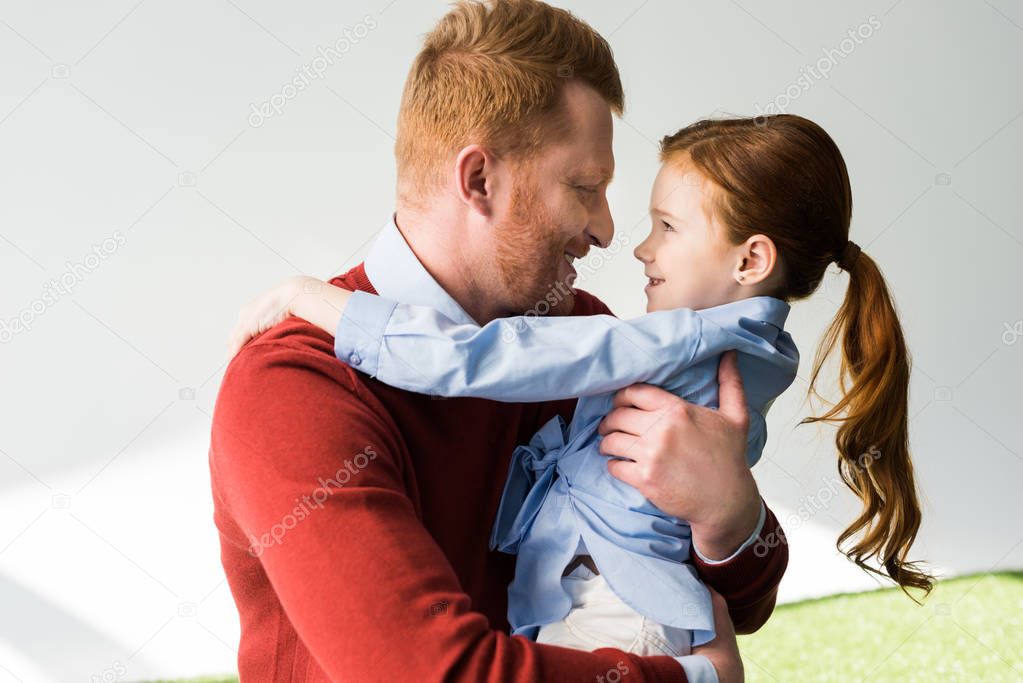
(749, 580)
(307, 472)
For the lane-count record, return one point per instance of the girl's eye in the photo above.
(667, 228)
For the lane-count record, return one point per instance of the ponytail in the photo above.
(873, 426)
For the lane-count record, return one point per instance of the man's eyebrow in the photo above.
(596, 175)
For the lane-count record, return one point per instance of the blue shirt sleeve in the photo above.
(522, 358)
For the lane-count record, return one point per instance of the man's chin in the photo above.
(558, 299)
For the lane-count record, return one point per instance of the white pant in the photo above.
(599, 618)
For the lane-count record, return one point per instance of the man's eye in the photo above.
(586, 188)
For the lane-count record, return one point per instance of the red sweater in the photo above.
(354, 521)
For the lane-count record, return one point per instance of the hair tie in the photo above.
(847, 259)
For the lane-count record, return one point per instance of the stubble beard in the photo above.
(528, 255)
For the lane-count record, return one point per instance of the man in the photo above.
(354, 517)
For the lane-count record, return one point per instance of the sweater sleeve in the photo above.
(749, 580)
(319, 530)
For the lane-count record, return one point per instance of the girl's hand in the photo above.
(303, 296)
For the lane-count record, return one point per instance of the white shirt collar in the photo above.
(396, 273)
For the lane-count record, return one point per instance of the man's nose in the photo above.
(601, 228)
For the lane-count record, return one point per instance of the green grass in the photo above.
(969, 629)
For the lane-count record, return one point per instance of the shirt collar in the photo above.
(396, 273)
(766, 309)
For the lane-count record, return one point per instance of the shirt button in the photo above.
(354, 359)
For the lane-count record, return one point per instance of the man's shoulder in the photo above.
(354, 279)
(295, 344)
(293, 357)
(285, 392)
(587, 304)
(291, 362)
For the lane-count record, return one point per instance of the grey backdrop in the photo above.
(143, 200)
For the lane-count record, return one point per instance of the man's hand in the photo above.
(723, 651)
(688, 460)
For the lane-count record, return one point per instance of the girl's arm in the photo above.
(521, 358)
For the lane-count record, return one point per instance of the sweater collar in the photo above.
(396, 273)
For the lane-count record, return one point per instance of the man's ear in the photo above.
(475, 178)
(758, 258)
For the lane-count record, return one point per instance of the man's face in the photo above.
(557, 209)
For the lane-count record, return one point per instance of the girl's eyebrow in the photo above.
(668, 215)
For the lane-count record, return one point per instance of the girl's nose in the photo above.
(642, 251)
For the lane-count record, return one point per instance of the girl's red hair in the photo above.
(784, 177)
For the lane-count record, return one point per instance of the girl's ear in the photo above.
(758, 258)
(475, 176)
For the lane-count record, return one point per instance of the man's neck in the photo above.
(437, 238)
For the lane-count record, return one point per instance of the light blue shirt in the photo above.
(435, 347)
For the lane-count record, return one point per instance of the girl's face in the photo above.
(687, 258)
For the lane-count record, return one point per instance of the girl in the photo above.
(747, 215)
